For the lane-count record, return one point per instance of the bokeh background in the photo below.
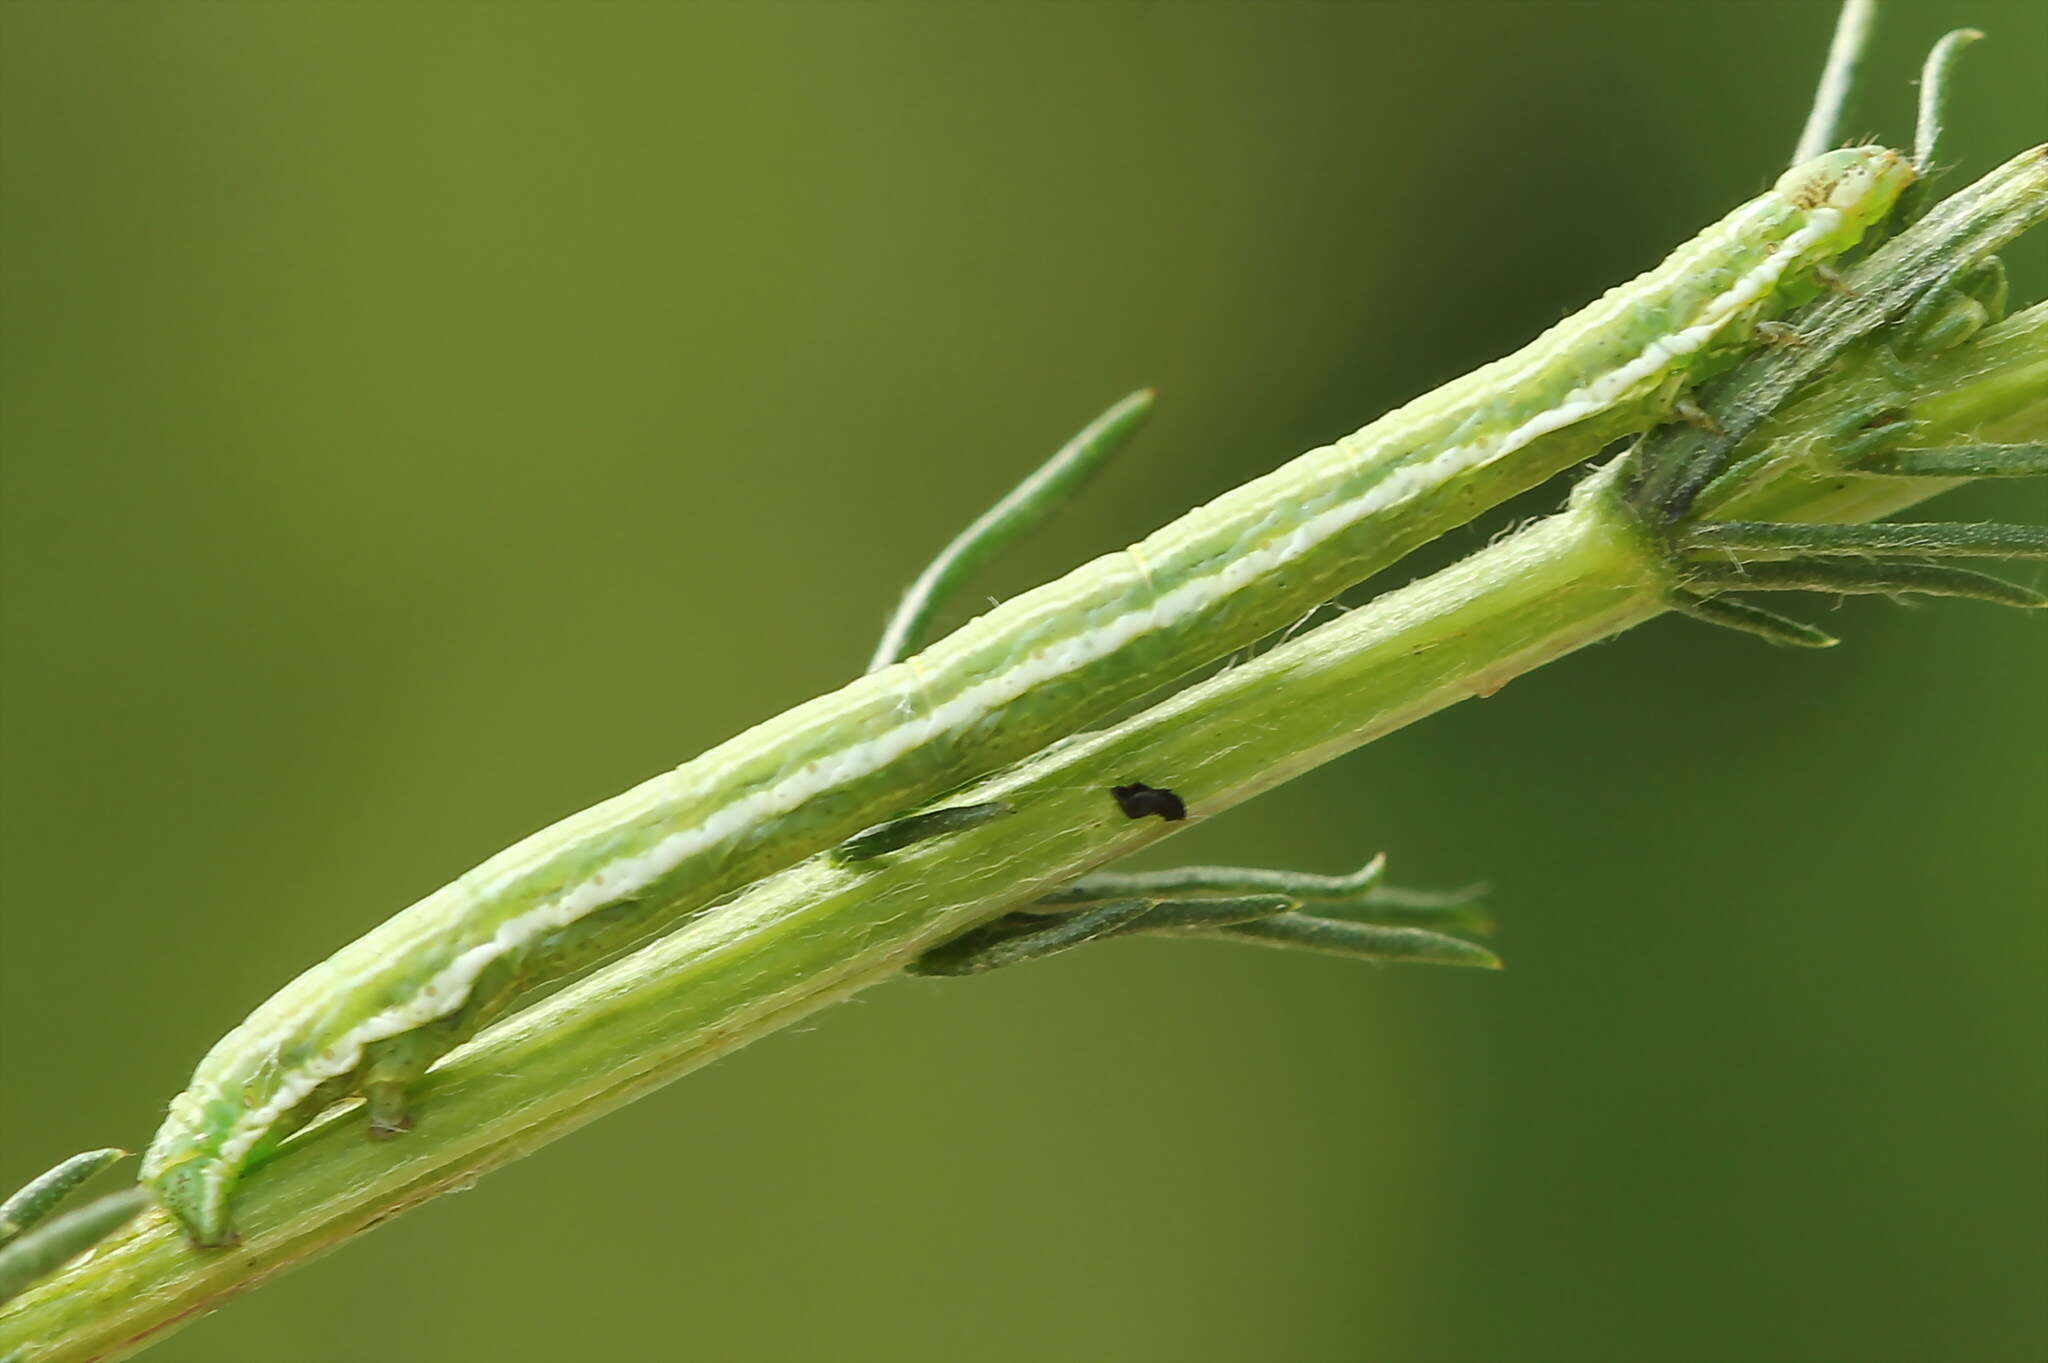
(422, 420)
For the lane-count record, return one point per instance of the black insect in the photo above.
(1137, 800)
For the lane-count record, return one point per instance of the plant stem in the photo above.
(823, 930)
(1837, 78)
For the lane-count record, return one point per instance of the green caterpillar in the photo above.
(374, 1016)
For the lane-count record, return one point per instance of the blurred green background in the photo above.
(422, 420)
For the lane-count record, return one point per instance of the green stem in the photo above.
(1024, 507)
(1837, 78)
(825, 929)
(41, 1195)
(1934, 81)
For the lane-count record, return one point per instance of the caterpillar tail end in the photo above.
(195, 1194)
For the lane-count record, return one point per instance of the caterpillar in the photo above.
(371, 1018)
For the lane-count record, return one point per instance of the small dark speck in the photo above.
(1137, 800)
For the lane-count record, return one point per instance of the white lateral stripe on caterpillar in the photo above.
(446, 990)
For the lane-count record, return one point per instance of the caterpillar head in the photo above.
(1860, 183)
